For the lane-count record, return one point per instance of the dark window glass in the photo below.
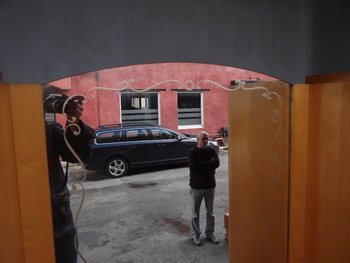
(139, 107)
(106, 137)
(137, 135)
(189, 109)
(160, 134)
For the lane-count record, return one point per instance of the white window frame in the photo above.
(196, 126)
(120, 104)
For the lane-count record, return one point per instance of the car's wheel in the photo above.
(116, 167)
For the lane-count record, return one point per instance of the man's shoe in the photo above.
(212, 239)
(197, 241)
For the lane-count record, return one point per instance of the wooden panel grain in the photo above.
(11, 240)
(343, 226)
(328, 78)
(298, 181)
(327, 205)
(258, 174)
(32, 173)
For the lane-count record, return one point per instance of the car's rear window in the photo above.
(106, 137)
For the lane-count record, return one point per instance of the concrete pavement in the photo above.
(145, 217)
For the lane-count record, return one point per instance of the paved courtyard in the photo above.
(145, 217)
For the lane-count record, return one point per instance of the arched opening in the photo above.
(166, 79)
(84, 37)
(213, 83)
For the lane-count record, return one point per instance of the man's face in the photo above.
(202, 140)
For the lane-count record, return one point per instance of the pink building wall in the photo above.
(105, 108)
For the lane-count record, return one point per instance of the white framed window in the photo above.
(137, 107)
(190, 110)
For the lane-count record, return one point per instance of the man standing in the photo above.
(202, 162)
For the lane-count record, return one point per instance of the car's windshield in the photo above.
(181, 135)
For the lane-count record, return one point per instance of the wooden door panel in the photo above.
(258, 173)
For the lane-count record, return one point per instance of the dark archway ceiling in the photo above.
(44, 40)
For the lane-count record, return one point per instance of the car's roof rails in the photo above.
(130, 124)
(125, 124)
(115, 125)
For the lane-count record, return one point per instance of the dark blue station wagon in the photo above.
(120, 148)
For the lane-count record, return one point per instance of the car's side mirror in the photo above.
(179, 138)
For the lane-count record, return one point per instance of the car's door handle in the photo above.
(161, 144)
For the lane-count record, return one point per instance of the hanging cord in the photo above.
(76, 245)
(76, 180)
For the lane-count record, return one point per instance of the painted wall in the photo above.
(42, 41)
(104, 108)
